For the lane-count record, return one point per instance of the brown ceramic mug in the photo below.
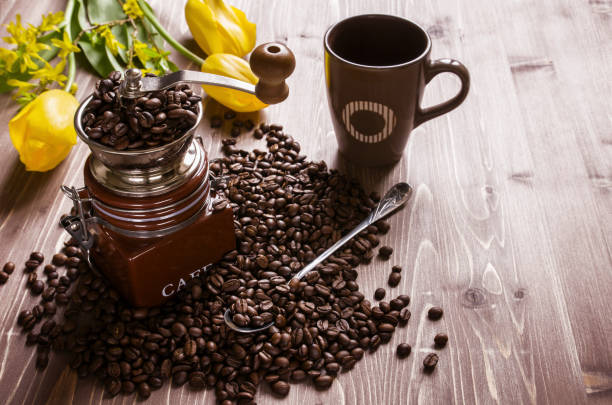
(376, 69)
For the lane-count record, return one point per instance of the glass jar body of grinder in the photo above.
(145, 218)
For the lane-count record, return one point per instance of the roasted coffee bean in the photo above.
(396, 304)
(144, 391)
(31, 265)
(323, 382)
(385, 252)
(405, 299)
(59, 259)
(430, 362)
(280, 388)
(249, 124)
(435, 313)
(394, 279)
(404, 316)
(440, 339)
(37, 287)
(396, 269)
(38, 256)
(258, 134)
(3, 277)
(403, 350)
(235, 132)
(379, 294)
(8, 268)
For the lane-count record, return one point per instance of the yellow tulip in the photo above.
(43, 131)
(219, 28)
(225, 64)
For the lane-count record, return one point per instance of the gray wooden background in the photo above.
(510, 228)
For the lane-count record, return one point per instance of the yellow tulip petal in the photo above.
(229, 65)
(219, 28)
(43, 132)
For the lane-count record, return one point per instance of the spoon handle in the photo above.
(392, 200)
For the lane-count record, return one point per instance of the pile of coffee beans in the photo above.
(151, 120)
(287, 210)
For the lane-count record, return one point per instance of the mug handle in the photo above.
(432, 69)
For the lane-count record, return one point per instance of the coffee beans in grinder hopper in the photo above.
(151, 120)
(287, 210)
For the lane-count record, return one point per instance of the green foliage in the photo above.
(113, 35)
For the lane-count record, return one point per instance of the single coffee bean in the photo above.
(31, 265)
(405, 298)
(323, 382)
(281, 388)
(235, 132)
(379, 294)
(72, 251)
(403, 350)
(37, 287)
(4, 277)
(404, 316)
(440, 339)
(435, 313)
(396, 269)
(394, 279)
(430, 362)
(8, 268)
(385, 252)
(38, 256)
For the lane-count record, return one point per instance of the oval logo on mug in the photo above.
(368, 121)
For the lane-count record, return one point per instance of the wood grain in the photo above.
(510, 228)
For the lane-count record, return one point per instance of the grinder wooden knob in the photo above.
(272, 63)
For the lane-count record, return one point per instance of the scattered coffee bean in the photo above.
(235, 132)
(8, 268)
(403, 350)
(249, 124)
(430, 362)
(404, 316)
(394, 279)
(383, 227)
(3, 277)
(440, 339)
(379, 294)
(435, 313)
(396, 269)
(280, 388)
(37, 287)
(39, 257)
(385, 252)
(59, 259)
(31, 265)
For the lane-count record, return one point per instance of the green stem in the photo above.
(71, 59)
(166, 35)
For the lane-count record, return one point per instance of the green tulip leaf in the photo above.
(96, 55)
(103, 11)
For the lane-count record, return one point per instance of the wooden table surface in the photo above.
(510, 228)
